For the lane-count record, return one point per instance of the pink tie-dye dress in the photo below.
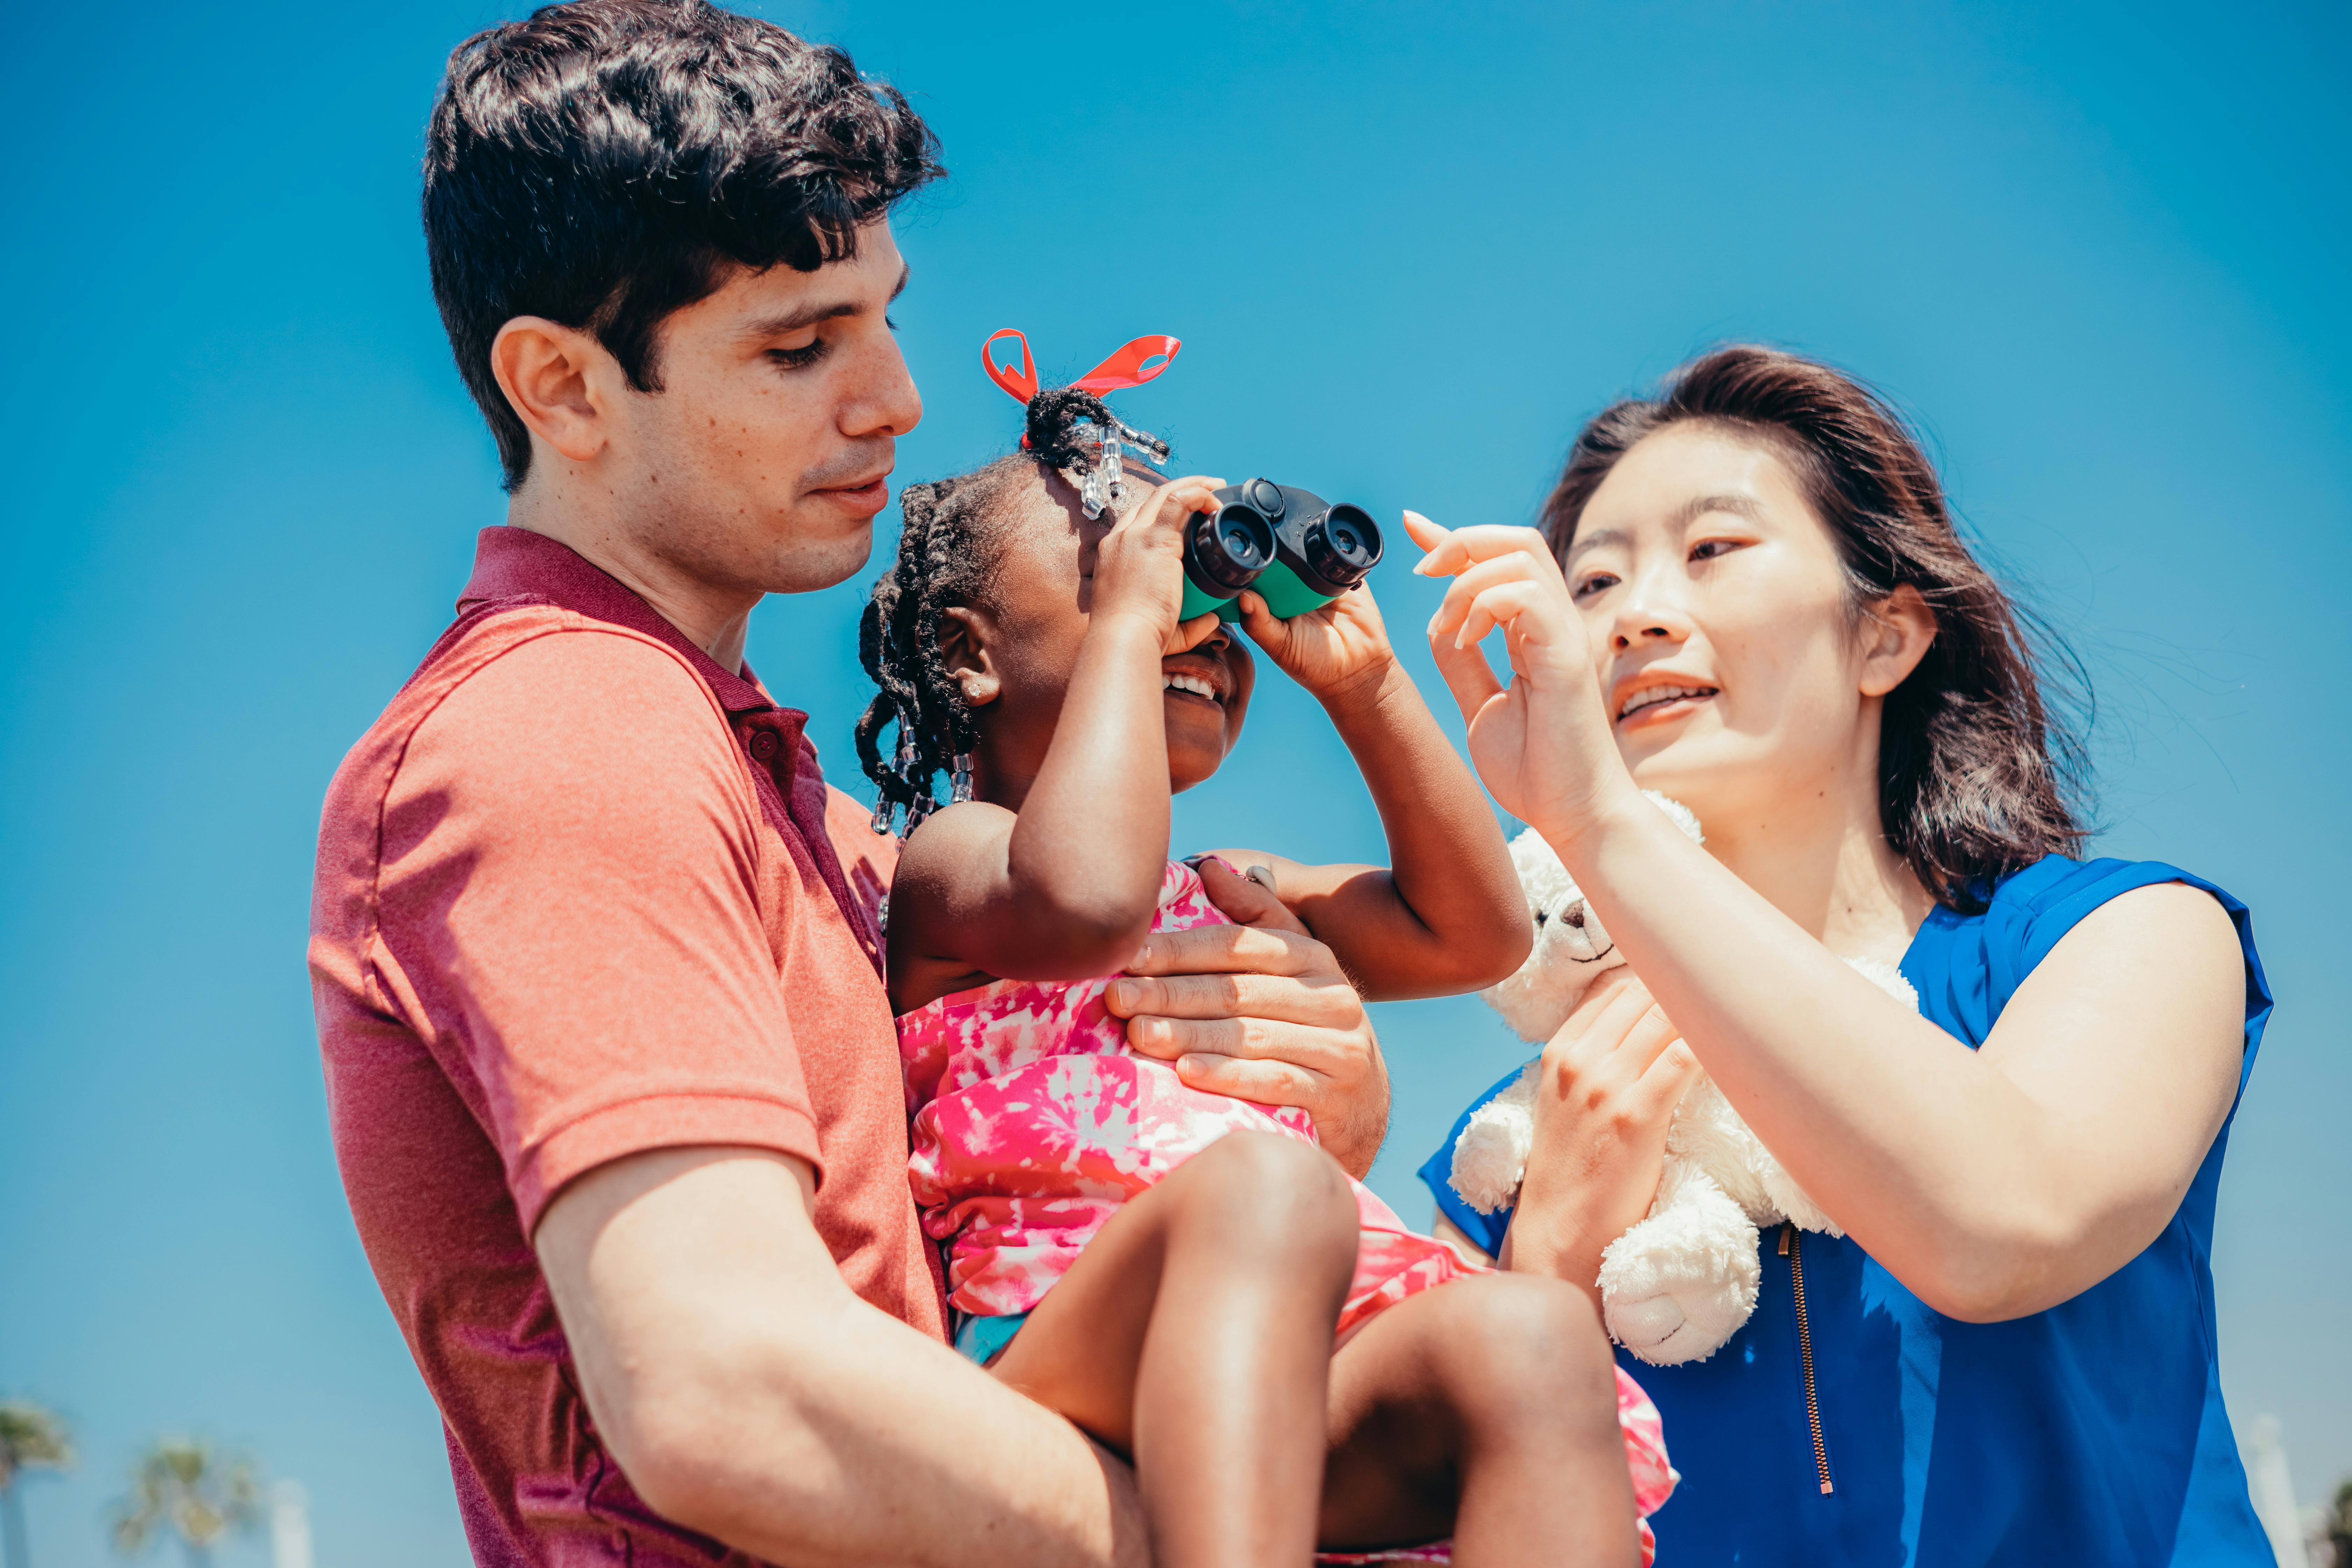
(1033, 1121)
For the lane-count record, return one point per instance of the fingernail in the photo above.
(1154, 1030)
(1121, 995)
(1142, 956)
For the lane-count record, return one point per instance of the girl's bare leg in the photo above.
(1485, 1409)
(1196, 1333)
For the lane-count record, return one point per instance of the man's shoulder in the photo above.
(539, 664)
(530, 681)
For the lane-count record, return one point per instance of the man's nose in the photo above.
(887, 403)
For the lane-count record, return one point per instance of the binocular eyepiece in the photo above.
(1293, 548)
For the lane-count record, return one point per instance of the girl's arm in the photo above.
(1992, 1183)
(1448, 916)
(1065, 888)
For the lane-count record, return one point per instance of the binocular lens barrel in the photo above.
(1232, 545)
(1343, 545)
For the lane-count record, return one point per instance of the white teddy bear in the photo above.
(1679, 1284)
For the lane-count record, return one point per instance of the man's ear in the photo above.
(1896, 633)
(965, 634)
(549, 373)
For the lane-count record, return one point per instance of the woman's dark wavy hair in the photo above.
(1979, 773)
(947, 552)
(605, 162)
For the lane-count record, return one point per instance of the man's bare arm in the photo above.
(747, 1393)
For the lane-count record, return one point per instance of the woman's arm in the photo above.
(1992, 1183)
(1447, 916)
(1065, 888)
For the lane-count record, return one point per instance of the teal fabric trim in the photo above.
(979, 1339)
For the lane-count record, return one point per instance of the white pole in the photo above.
(289, 1525)
(2273, 1493)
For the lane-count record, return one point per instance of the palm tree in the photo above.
(31, 1438)
(185, 1486)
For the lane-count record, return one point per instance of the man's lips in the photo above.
(868, 494)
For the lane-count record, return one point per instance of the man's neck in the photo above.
(714, 619)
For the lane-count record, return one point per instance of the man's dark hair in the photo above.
(1979, 771)
(606, 162)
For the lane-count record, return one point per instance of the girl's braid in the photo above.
(947, 553)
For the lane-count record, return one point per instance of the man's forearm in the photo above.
(857, 1441)
(748, 1393)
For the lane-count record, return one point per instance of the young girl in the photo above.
(1170, 1267)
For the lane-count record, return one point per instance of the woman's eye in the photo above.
(1708, 548)
(799, 358)
(1591, 586)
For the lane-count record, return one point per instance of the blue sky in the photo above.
(2099, 250)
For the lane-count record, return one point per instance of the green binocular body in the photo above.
(1287, 545)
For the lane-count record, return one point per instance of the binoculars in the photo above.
(1297, 550)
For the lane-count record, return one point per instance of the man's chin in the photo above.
(824, 548)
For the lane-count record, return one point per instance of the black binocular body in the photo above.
(1291, 546)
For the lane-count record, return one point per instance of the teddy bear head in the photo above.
(1572, 949)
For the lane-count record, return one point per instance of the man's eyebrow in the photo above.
(809, 315)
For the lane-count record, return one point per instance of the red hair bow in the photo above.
(1125, 368)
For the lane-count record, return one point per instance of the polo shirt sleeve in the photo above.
(569, 901)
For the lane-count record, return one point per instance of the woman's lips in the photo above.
(1676, 706)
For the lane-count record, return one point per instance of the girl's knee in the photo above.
(1278, 1191)
(1521, 1340)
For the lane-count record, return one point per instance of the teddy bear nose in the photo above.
(1575, 918)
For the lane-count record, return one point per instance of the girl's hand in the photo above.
(1542, 746)
(1609, 1081)
(1342, 647)
(1139, 565)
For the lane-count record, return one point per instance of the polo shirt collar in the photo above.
(513, 564)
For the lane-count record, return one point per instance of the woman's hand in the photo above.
(1611, 1080)
(1335, 651)
(1139, 565)
(1261, 1011)
(1542, 746)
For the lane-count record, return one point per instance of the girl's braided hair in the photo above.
(947, 552)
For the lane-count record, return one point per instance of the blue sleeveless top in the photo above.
(2091, 1434)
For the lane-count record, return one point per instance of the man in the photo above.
(613, 1076)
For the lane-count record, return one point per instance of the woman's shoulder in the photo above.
(1973, 960)
(2058, 883)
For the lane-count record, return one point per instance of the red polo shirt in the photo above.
(581, 893)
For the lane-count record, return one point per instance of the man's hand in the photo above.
(1261, 1011)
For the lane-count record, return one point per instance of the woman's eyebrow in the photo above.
(1748, 507)
(1599, 539)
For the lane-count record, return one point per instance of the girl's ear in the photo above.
(1896, 633)
(965, 634)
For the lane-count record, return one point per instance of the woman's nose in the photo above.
(1648, 623)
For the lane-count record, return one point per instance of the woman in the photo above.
(1748, 594)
